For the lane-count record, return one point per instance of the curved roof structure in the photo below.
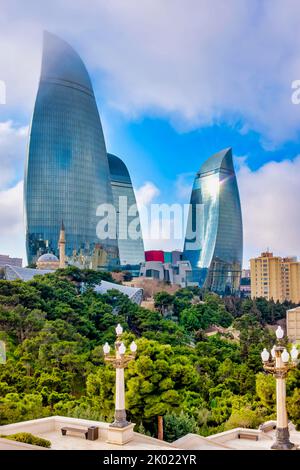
(118, 169)
(222, 159)
(62, 63)
(11, 273)
(135, 294)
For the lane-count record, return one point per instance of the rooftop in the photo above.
(118, 169)
(220, 160)
(25, 274)
(135, 294)
(264, 441)
(50, 429)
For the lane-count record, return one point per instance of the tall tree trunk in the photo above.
(160, 428)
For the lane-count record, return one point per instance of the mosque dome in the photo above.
(48, 258)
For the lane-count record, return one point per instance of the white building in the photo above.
(293, 324)
(6, 259)
(173, 273)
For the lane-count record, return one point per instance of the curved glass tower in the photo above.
(214, 237)
(130, 241)
(67, 174)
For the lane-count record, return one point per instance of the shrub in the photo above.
(177, 426)
(294, 408)
(28, 438)
(245, 418)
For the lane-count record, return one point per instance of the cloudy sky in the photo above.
(175, 81)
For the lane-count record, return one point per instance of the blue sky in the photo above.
(167, 152)
(175, 82)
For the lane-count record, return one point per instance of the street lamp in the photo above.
(119, 361)
(279, 364)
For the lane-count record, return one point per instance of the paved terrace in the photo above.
(264, 441)
(50, 428)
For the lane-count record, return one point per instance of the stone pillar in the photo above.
(120, 412)
(282, 420)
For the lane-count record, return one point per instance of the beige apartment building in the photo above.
(293, 324)
(273, 277)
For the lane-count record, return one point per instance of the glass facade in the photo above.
(214, 238)
(130, 241)
(67, 173)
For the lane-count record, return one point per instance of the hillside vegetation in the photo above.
(54, 330)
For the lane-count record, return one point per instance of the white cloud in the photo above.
(11, 210)
(12, 239)
(157, 227)
(12, 151)
(183, 186)
(162, 244)
(146, 194)
(271, 208)
(208, 61)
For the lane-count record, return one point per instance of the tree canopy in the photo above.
(55, 325)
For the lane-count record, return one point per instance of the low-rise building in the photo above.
(6, 259)
(155, 255)
(178, 273)
(246, 274)
(245, 284)
(293, 324)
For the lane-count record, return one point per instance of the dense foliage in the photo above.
(54, 329)
(28, 438)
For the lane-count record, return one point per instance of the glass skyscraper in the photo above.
(214, 237)
(131, 246)
(67, 174)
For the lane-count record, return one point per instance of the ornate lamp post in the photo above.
(279, 364)
(119, 361)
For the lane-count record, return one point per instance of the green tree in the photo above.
(21, 407)
(156, 381)
(293, 407)
(163, 301)
(245, 418)
(266, 390)
(178, 425)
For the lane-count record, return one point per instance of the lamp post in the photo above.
(279, 364)
(119, 362)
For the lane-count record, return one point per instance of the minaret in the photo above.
(62, 246)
